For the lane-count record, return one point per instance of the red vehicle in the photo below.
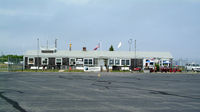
(137, 69)
(175, 69)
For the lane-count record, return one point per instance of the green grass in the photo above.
(29, 70)
(48, 70)
(73, 71)
(120, 71)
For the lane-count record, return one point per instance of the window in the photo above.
(111, 62)
(88, 61)
(44, 61)
(30, 61)
(117, 62)
(79, 61)
(125, 62)
(151, 63)
(195, 65)
(58, 61)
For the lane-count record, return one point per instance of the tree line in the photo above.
(4, 58)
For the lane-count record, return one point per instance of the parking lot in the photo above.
(104, 92)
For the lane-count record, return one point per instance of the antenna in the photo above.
(56, 43)
(130, 41)
(47, 45)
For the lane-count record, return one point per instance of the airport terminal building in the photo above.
(97, 60)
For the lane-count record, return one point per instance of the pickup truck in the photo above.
(193, 67)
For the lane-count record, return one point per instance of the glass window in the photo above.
(123, 62)
(90, 61)
(86, 61)
(151, 63)
(111, 62)
(117, 62)
(30, 61)
(127, 62)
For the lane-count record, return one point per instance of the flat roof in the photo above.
(100, 54)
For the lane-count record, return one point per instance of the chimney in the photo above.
(84, 48)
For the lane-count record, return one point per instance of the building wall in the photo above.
(105, 63)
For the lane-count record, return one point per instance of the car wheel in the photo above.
(193, 70)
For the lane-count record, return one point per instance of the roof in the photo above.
(101, 54)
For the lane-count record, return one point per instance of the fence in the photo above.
(11, 64)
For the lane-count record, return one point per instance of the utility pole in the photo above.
(56, 45)
(135, 49)
(38, 53)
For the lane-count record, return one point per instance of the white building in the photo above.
(52, 59)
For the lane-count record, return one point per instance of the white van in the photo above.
(193, 67)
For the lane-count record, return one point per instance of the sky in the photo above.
(157, 25)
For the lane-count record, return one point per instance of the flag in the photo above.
(98, 46)
(119, 45)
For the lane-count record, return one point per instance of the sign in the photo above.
(92, 69)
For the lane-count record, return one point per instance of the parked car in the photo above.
(192, 67)
(175, 69)
(137, 69)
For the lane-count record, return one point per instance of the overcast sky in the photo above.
(157, 25)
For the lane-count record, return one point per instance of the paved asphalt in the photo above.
(111, 92)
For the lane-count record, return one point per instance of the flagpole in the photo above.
(100, 46)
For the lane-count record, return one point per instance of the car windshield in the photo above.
(195, 64)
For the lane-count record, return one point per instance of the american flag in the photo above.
(98, 46)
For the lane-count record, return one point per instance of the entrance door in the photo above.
(106, 64)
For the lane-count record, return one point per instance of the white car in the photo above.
(193, 67)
